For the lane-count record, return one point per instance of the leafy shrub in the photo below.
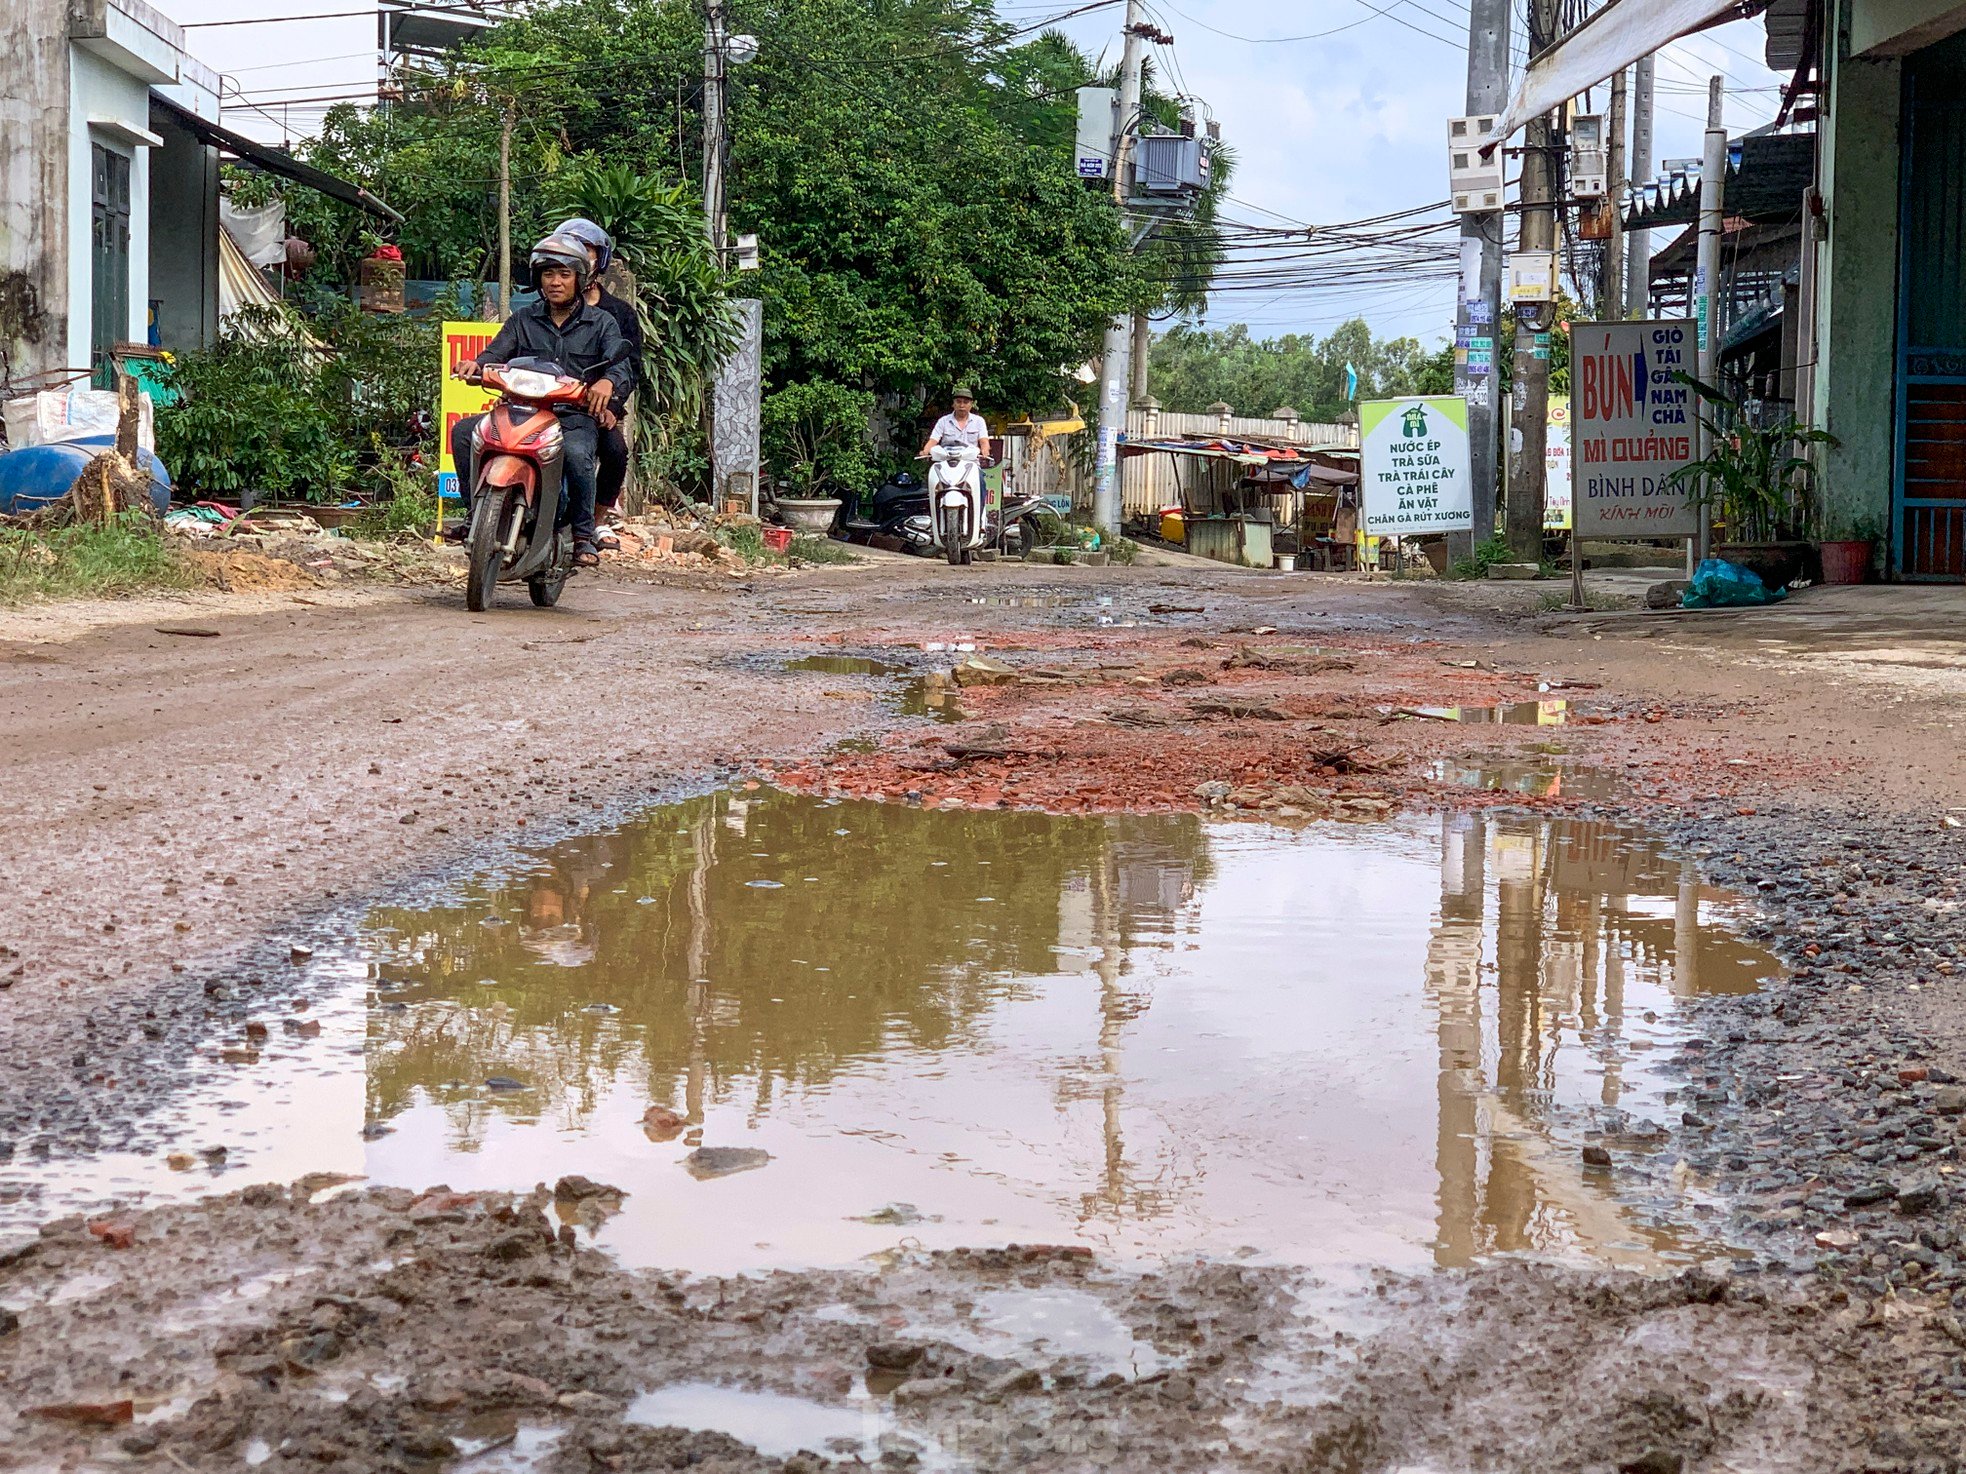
(291, 410)
(409, 510)
(1493, 550)
(815, 436)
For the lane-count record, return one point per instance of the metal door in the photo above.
(109, 259)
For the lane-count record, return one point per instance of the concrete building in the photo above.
(110, 147)
(1872, 345)
(1890, 311)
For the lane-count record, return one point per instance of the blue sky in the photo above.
(1339, 128)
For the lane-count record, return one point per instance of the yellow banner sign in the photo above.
(457, 400)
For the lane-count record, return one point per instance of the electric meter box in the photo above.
(1532, 276)
(1588, 160)
(1169, 164)
(1093, 154)
(1473, 182)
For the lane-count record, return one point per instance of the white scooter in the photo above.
(955, 500)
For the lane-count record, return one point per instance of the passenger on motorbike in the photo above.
(613, 471)
(587, 345)
(962, 423)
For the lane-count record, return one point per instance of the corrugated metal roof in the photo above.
(1787, 21)
(1766, 175)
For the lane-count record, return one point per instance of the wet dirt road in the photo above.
(1402, 980)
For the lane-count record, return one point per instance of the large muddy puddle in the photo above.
(800, 1032)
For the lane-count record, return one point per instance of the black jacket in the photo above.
(588, 346)
(630, 322)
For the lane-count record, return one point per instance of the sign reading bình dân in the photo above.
(1413, 466)
(1632, 424)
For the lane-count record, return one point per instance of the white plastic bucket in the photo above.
(1286, 562)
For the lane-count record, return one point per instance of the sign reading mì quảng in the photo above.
(1413, 466)
(1632, 424)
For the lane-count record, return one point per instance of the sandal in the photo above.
(607, 542)
(585, 556)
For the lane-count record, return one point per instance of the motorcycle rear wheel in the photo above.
(486, 547)
(546, 588)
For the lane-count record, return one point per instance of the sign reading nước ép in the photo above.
(1413, 466)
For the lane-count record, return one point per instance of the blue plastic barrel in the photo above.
(39, 474)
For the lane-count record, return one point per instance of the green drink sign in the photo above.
(1413, 466)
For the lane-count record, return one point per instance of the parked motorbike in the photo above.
(518, 461)
(900, 511)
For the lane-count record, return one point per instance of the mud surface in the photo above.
(329, 1324)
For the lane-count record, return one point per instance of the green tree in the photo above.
(1194, 367)
(906, 165)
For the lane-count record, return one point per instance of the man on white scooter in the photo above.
(961, 423)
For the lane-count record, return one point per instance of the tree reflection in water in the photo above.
(751, 943)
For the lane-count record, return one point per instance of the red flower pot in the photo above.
(1846, 562)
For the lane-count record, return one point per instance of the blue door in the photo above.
(1929, 500)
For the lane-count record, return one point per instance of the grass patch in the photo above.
(821, 550)
(745, 540)
(748, 542)
(127, 556)
(1550, 603)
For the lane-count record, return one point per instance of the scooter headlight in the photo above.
(528, 383)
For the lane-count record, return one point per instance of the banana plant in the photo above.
(1751, 477)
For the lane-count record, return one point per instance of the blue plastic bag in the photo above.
(1718, 584)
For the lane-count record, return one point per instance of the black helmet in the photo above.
(560, 250)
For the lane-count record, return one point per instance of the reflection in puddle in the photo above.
(1338, 1045)
(1509, 714)
(932, 695)
(928, 697)
(775, 1424)
(1534, 779)
(845, 665)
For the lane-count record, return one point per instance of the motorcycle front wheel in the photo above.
(486, 546)
(955, 535)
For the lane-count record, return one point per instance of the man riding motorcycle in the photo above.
(961, 423)
(584, 341)
(613, 471)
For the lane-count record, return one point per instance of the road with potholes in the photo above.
(190, 816)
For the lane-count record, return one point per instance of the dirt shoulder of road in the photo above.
(181, 806)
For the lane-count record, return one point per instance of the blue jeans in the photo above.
(580, 438)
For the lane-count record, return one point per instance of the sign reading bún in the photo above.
(1632, 425)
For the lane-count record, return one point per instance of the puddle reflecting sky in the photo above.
(1339, 1045)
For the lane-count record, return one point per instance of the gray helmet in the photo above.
(562, 250)
(589, 234)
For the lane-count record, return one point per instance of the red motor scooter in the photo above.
(517, 461)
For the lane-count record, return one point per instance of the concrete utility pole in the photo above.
(1112, 367)
(1143, 345)
(505, 214)
(1611, 284)
(1477, 320)
(1706, 284)
(714, 70)
(1640, 165)
(1531, 369)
